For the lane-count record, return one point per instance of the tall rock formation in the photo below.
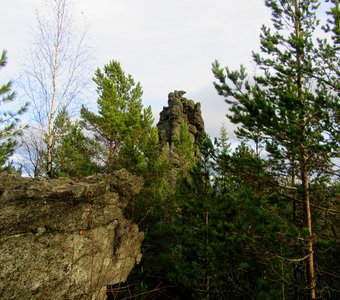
(180, 110)
(66, 238)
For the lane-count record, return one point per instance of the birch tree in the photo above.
(55, 73)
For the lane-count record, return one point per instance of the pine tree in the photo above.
(121, 123)
(140, 148)
(74, 151)
(290, 105)
(9, 129)
(184, 150)
(220, 233)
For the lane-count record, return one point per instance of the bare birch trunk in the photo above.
(50, 136)
(55, 74)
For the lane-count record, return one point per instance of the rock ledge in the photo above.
(66, 238)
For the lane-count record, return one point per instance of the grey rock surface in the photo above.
(66, 238)
(179, 110)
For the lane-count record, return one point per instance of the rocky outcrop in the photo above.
(180, 110)
(66, 238)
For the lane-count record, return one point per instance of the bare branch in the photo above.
(56, 70)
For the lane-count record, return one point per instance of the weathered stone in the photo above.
(180, 110)
(66, 238)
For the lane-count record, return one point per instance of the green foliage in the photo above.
(223, 234)
(121, 125)
(280, 107)
(140, 149)
(9, 129)
(292, 106)
(206, 240)
(231, 223)
(333, 23)
(153, 211)
(74, 152)
(184, 149)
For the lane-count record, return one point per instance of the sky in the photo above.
(165, 45)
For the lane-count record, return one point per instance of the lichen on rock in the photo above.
(66, 238)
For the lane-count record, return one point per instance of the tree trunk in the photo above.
(111, 155)
(50, 136)
(50, 133)
(303, 156)
(294, 217)
(308, 223)
(207, 267)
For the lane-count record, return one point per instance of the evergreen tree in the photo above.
(184, 149)
(121, 124)
(9, 129)
(290, 106)
(222, 151)
(140, 149)
(220, 241)
(74, 151)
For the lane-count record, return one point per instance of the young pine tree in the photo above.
(121, 123)
(73, 151)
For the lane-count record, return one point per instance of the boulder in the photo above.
(66, 238)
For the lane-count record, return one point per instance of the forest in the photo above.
(258, 219)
